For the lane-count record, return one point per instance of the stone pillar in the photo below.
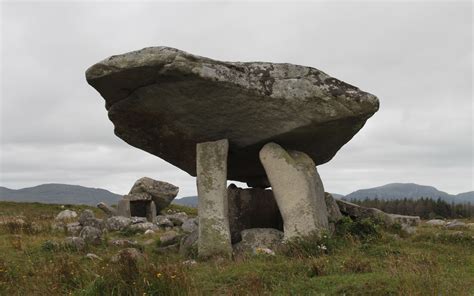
(298, 190)
(211, 168)
(151, 212)
(123, 208)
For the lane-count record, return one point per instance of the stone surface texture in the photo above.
(214, 233)
(160, 98)
(298, 190)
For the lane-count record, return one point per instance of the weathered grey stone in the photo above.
(455, 224)
(106, 209)
(436, 222)
(142, 227)
(214, 234)
(87, 218)
(334, 214)
(162, 98)
(190, 225)
(162, 193)
(258, 238)
(117, 223)
(298, 190)
(169, 238)
(252, 208)
(66, 215)
(91, 234)
(75, 243)
(189, 244)
(163, 221)
(123, 243)
(151, 212)
(123, 208)
(73, 228)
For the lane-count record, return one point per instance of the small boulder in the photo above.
(87, 218)
(91, 234)
(66, 215)
(169, 238)
(74, 243)
(436, 222)
(188, 244)
(117, 223)
(123, 243)
(190, 225)
(142, 227)
(163, 221)
(73, 228)
(455, 224)
(255, 238)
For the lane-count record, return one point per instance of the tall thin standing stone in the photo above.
(211, 166)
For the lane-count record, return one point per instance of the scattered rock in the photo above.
(73, 228)
(123, 243)
(149, 232)
(188, 244)
(263, 238)
(169, 238)
(190, 225)
(87, 218)
(93, 256)
(75, 243)
(163, 221)
(66, 215)
(117, 223)
(455, 224)
(436, 222)
(142, 227)
(263, 251)
(91, 234)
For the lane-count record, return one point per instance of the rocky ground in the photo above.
(77, 250)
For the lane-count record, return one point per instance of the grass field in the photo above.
(434, 261)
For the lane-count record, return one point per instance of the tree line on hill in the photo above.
(426, 208)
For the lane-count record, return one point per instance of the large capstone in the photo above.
(165, 101)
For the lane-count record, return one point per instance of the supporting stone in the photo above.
(298, 190)
(151, 212)
(123, 208)
(211, 166)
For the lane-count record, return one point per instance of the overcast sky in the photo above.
(415, 56)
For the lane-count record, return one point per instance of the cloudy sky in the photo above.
(415, 56)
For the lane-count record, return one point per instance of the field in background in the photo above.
(365, 260)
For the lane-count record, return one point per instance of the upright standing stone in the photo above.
(298, 190)
(123, 208)
(211, 166)
(151, 212)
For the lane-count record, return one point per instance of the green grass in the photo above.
(362, 260)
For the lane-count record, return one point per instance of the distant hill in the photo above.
(189, 201)
(410, 191)
(60, 194)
